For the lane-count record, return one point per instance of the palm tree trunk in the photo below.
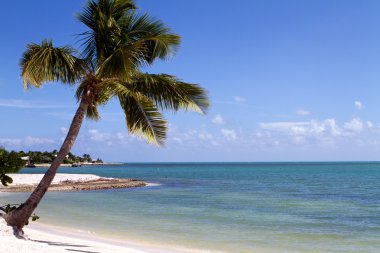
(19, 217)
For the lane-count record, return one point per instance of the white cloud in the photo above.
(239, 99)
(25, 142)
(30, 141)
(108, 138)
(26, 104)
(229, 134)
(11, 142)
(178, 140)
(333, 128)
(205, 136)
(355, 125)
(311, 131)
(95, 135)
(314, 132)
(359, 105)
(218, 119)
(121, 136)
(192, 138)
(278, 126)
(63, 130)
(302, 112)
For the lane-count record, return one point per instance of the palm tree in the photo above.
(117, 44)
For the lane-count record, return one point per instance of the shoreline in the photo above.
(47, 165)
(44, 238)
(70, 182)
(125, 243)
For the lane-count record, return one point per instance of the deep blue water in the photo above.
(232, 207)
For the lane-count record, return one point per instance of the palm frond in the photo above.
(152, 38)
(122, 64)
(103, 10)
(143, 118)
(101, 18)
(114, 87)
(140, 40)
(44, 63)
(169, 93)
(92, 112)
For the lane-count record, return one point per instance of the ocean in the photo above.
(228, 207)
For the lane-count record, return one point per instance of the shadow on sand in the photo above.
(68, 245)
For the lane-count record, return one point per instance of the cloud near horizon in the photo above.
(27, 104)
(239, 99)
(26, 143)
(323, 132)
(283, 137)
(302, 112)
(218, 119)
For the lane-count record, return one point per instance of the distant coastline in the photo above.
(47, 165)
(39, 159)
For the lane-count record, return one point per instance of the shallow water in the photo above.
(231, 207)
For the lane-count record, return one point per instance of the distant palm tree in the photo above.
(118, 43)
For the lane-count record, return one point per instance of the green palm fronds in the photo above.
(169, 93)
(45, 63)
(143, 118)
(116, 45)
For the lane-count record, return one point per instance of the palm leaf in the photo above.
(140, 40)
(104, 8)
(101, 18)
(121, 64)
(92, 112)
(45, 63)
(150, 36)
(169, 93)
(143, 118)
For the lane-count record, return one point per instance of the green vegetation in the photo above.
(10, 162)
(37, 157)
(117, 44)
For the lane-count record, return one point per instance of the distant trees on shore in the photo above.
(37, 157)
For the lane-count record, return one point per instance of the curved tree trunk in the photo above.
(19, 217)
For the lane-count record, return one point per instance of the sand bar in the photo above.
(70, 182)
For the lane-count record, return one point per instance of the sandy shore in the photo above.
(44, 240)
(69, 182)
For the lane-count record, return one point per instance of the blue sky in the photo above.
(288, 81)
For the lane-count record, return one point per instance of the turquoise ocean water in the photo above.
(229, 207)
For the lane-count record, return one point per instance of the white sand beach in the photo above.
(44, 240)
(34, 179)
